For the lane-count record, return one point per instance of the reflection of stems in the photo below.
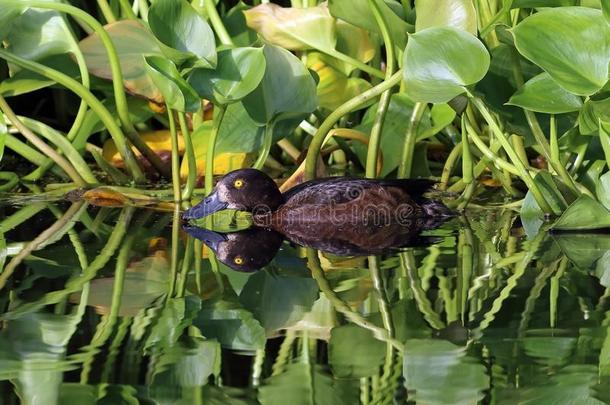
(257, 367)
(386, 96)
(42, 146)
(386, 315)
(76, 283)
(266, 147)
(105, 327)
(95, 104)
(198, 246)
(174, 252)
(189, 155)
(408, 260)
(114, 348)
(175, 155)
(60, 226)
(186, 266)
(320, 135)
(406, 159)
(219, 27)
(283, 355)
(340, 306)
(209, 157)
(530, 302)
(554, 291)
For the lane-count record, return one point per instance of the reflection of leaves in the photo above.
(440, 372)
(276, 301)
(551, 350)
(145, 281)
(353, 352)
(175, 316)
(233, 326)
(571, 386)
(308, 384)
(583, 249)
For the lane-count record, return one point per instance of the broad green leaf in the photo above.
(604, 139)
(307, 384)
(238, 72)
(358, 13)
(287, 88)
(25, 81)
(543, 94)
(583, 249)
(37, 34)
(334, 87)
(353, 41)
(177, 93)
(293, 28)
(235, 22)
(583, 214)
(439, 372)
(132, 41)
(440, 62)
(602, 190)
(452, 13)
(591, 113)
(572, 44)
(233, 326)
(441, 116)
(178, 25)
(278, 301)
(347, 340)
(8, 15)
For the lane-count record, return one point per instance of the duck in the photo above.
(316, 207)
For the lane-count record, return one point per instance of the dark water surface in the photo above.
(115, 306)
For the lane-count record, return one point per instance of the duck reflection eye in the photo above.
(238, 260)
(239, 183)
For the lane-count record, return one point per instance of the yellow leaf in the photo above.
(159, 141)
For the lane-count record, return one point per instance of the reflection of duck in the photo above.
(247, 250)
(311, 206)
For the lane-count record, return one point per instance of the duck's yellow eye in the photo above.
(239, 183)
(238, 260)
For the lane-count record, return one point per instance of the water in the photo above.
(482, 315)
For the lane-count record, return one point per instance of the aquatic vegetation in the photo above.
(115, 116)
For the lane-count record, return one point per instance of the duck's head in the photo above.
(243, 189)
(247, 251)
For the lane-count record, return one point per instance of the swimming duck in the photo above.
(316, 205)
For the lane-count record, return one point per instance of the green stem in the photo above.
(266, 147)
(406, 160)
(95, 104)
(106, 11)
(467, 173)
(189, 155)
(537, 131)
(554, 143)
(11, 181)
(320, 136)
(523, 173)
(384, 102)
(354, 62)
(209, 157)
(219, 27)
(127, 10)
(42, 146)
(454, 155)
(117, 75)
(175, 155)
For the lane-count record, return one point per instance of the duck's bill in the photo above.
(210, 205)
(210, 238)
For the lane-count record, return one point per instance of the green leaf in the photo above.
(572, 44)
(584, 249)
(437, 371)
(287, 88)
(132, 41)
(307, 384)
(355, 42)
(353, 352)
(177, 93)
(441, 116)
(238, 73)
(37, 34)
(292, 28)
(170, 322)
(606, 9)
(25, 81)
(234, 327)
(451, 13)
(602, 190)
(543, 94)
(176, 24)
(440, 62)
(604, 139)
(358, 13)
(542, 3)
(8, 15)
(235, 23)
(583, 214)
(276, 301)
